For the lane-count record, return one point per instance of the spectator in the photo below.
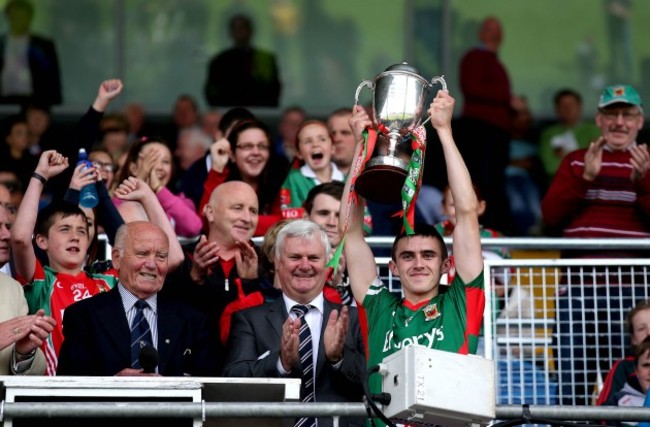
(151, 162)
(192, 145)
(222, 274)
(11, 182)
(290, 121)
(315, 149)
(483, 132)
(191, 183)
(115, 141)
(134, 114)
(29, 67)
(600, 191)
(322, 206)
(635, 388)
(97, 332)
(637, 324)
(246, 155)
(21, 335)
(569, 134)
(243, 75)
(342, 138)
(323, 343)
(61, 230)
(14, 153)
(524, 175)
(210, 124)
(41, 135)
(420, 260)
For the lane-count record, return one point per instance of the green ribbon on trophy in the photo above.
(369, 142)
(413, 181)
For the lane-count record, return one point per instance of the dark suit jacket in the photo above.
(44, 66)
(97, 339)
(256, 331)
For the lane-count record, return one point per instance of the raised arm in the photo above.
(466, 238)
(134, 189)
(360, 260)
(49, 165)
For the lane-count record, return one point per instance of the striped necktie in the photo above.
(140, 333)
(306, 353)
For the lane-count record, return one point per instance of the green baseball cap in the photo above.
(619, 94)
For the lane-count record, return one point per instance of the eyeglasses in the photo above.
(250, 147)
(612, 115)
(106, 167)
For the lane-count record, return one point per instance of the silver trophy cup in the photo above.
(399, 96)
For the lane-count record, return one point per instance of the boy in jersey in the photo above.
(448, 319)
(61, 230)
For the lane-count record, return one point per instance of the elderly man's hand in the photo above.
(335, 333)
(640, 161)
(289, 354)
(594, 159)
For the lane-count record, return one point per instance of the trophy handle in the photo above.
(441, 80)
(369, 83)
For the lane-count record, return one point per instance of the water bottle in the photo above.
(88, 196)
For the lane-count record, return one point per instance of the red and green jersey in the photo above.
(449, 321)
(54, 292)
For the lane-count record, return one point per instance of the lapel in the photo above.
(276, 315)
(170, 326)
(113, 320)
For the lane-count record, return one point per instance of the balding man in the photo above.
(222, 275)
(132, 330)
(483, 133)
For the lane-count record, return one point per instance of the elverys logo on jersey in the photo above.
(426, 339)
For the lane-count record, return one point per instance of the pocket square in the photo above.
(264, 355)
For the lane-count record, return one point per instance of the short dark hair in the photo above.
(642, 348)
(422, 230)
(232, 116)
(566, 92)
(48, 216)
(332, 188)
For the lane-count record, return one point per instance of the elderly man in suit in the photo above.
(110, 333)
(301, 334)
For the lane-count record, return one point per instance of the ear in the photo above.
(133, 168)
(447, 264)
(115, 255)
(208, 213)
(231, 156)
(393, 268)
(41, 241)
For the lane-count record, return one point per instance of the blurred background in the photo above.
(324, 49)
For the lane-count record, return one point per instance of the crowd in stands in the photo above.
(223, 176)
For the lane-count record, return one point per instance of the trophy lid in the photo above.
(404, 66)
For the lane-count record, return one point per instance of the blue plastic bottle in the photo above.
(88, 196)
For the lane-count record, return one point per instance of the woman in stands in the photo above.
(150, 160)
(247, 155)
